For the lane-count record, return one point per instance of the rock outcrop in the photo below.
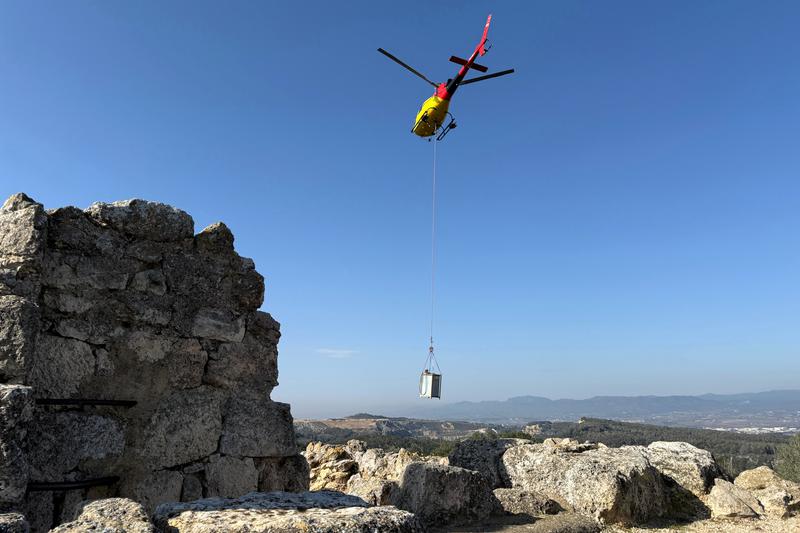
(113, 515)
(331, 466)
(525, 502)
(321, 512)
(612, 485)
(690, 467)
(484, 455)
(442, 494)
(726, 500)
(779, 498)
(438, 494)
(16, 411)
(122, 302)
(13, 523)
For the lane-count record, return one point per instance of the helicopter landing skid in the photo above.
(446, 129)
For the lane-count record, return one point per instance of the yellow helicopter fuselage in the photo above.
(431, 116)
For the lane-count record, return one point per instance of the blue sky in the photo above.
(618, 217)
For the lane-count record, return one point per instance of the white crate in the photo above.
(430, 385)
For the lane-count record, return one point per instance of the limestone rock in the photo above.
(149, 220)
(376, 463)
(151, 281)
(484, 455)
(39, 510)
(289, 474)
(13, 523)
(113, 515)
(254, 361)
(613, 485)
(18, 323)
(151, 489)
(230, 477)
(374, 491)
(185, 428)
(564, 523)
(726, 500)
(60, 366)
(16, 411)
(218, 324)
(192, 488)
(356, 448)
(59, 442)
(571, 445)
(23, 229)
(692, 468)
(321, 512)
(255, 426)
(779, 497)
(440, 495)
(331, 466)
(521, 501)
(216, 238)
(122, 302)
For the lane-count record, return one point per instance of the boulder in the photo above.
(320, 512)
(331, 466)
(690, 467)
(13, 523)
(612, 485)
(726, 500)
(526, 502)
(379, 464)
(16, 411)
(484, 455)
(113, 515)
(779, 497)
(441, 495)
(374, 491)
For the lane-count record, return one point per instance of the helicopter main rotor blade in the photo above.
(390, 56)
(488, 76)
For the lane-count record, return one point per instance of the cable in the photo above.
(433, 240)
(431, 359)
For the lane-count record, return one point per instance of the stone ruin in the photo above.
(133, 362)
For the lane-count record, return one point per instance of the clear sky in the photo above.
(621, 216)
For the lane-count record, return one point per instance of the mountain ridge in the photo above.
(769, 408)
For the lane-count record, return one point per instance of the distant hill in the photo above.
(761, 409)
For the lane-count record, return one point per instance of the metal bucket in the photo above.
(430, 385)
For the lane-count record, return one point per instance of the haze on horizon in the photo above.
(619, 217)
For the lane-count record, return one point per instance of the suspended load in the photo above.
(430, 382)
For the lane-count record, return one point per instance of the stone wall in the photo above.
(123, 301)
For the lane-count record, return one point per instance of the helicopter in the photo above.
(434, 112)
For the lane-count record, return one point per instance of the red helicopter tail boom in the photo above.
(482, 46)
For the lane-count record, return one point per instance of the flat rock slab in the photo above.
(562, 523)
(112, 515)
(321, 512)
